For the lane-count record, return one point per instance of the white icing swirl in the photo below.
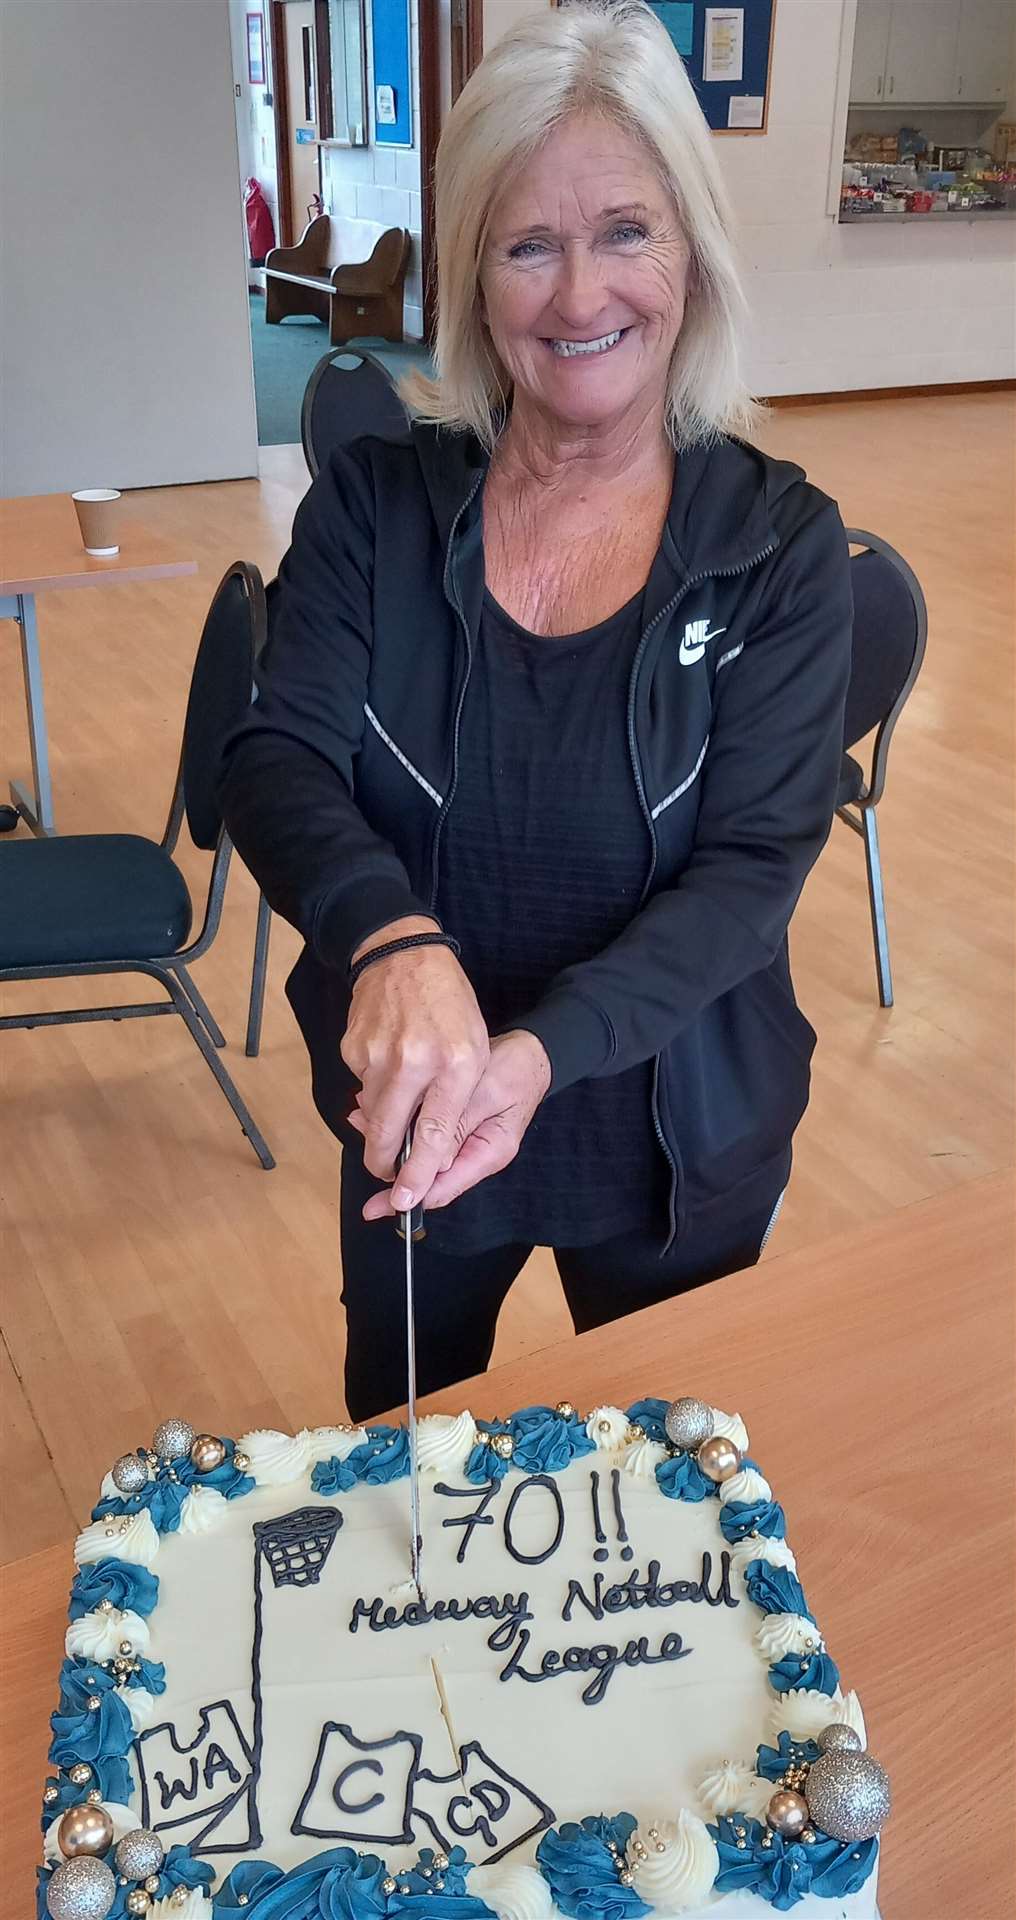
(97, 1636)
(607, 1428)
(735, 1787)
(512, 1891)
(783, 1633)
(805, 1712)
(444, 1441)
(332, 1443)
(195, 1907)
(124, 1819)
(775, 1553)
(673, 1862)
(204, 1509)
(140, 1704)
(749, 1485)
(643, 1457)
(275, 1458)
(130, 1537)
(731, 1427)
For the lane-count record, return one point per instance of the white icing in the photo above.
(275, 1458)
(97, 1636)
(643, 1457)
(731, 1427)
(747, 1486)
(735, 1787)
(607, 1428)
(783, 1633)
(124, 1819)
(775, 1553)
(444, 1441)
(512, 1891)
(332, 1443)
(130, 1537)
(679, 1866)
(140, 1704)
(204, 1509)
(195, 1907)
(805, 1712)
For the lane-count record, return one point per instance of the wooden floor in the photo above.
(149, 1266)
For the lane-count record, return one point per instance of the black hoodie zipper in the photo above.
(671, 1153)
(452, 596)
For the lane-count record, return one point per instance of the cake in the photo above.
(609, 1698)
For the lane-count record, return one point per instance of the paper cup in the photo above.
(97, 511)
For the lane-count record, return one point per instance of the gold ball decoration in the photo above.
(49, 1795)
(84, 1829)
(687, 1423)
(80, 1889)
(79, 1773)
(839, 1739)
(207, 1452)
(241, 1462)
(503, 1445)
(565, 1410)
(848, 1795)
(130, 1473)
(719, 1459)
(173, 1439)
(153, 1883)
(787, 1813)
(137, 1901)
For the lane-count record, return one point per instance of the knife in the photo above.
(410, 1228)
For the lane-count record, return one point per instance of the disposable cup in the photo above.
(98, 512)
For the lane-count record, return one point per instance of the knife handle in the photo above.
(417, 1230)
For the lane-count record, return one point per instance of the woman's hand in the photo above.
(417, 1042)
(492, 1127)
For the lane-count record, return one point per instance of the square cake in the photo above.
(608, 1699)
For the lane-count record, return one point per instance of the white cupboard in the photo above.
(915, 52)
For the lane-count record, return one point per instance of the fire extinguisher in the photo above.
(260, 226)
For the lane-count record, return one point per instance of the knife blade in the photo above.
(410, 1228)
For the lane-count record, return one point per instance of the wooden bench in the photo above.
(326, 275)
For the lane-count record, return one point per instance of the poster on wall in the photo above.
(256, 49)
(728, 54)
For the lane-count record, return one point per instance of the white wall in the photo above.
(124, 340)
(255, 123)
(836, 308)
(379, 183)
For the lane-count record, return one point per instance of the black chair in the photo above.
(890, 632)
(83, 904)
(350, 392)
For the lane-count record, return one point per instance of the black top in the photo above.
(543, 861)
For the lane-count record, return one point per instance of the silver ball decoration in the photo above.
(687, 1423)
(130, 1473)
(82, 1889)
(173, 1439)
(848, 1795)
(139, 1853)
(838, 1738)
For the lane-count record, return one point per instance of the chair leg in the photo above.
(200, 1006)
(876, 899)
(257, 983)
(201, 1039)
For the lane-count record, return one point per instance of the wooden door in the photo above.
(302, 154)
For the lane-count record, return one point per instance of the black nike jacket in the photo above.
(337, 786)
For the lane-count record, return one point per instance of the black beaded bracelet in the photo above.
(404, 945)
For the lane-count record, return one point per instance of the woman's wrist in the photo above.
(411, 923)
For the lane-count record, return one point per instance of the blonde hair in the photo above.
(611, 57)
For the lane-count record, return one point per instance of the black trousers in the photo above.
(458, 1298)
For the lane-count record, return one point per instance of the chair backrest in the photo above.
(890, 630)
(349, 393)
(221, 690)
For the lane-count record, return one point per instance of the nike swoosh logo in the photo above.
(689, 654)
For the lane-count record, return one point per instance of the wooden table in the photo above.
(40, 548)
(875, 1374)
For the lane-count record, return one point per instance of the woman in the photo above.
(550, 730)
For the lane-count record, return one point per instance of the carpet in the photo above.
(284, 359)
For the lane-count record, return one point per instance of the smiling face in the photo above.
(584, 275)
